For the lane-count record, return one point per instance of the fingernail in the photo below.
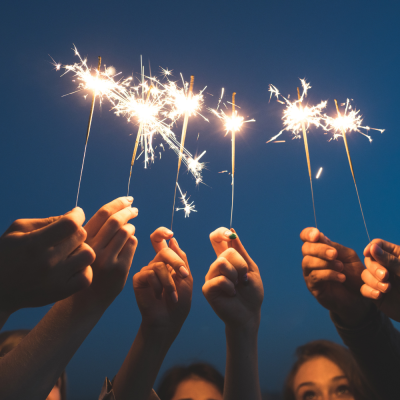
(183, 271)
(376, 293)
(314, 234)
(381, 273)
(176, 242)
(130, 199)
(245, 277)
(230, 235)
(339, 265)
(174, 297)
(135, 210)
(378, 251)
(168, 232)
(383, 286)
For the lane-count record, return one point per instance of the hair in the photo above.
(175, 375)
(340, 356)
(9, 340)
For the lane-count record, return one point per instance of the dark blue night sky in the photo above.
(344, 48)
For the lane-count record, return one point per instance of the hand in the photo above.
(43, 261)
(233, 284)
(114, 243)
(333, 276)
(163, 289)
(382, 276)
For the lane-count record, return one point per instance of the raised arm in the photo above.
(235, 291)
(163, 291)
(31, 370)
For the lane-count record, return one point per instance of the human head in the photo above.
(323, 364)
(190, 380)
(11, 339)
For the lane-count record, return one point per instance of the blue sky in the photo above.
(344, 48)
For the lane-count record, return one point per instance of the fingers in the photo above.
(319, 250)
(219, 284)
(128, 251)
(220, 239)
(165, 279)
(384, 245)
(99, 219)
(370, 292)
(168, 256)
(312, 235)
(69, 245)
(373, 284)
(310, 263)
(174, 246)
(80, 259)
(159, 237)
(114, 225)
(317, 277)
(391, 262)
(62, 228)
(81, 280)
(376, 270)
(120, 238)
(238, 246)
(29, 225)
(221, 266)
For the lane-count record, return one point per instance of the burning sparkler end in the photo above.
(319, 173)
(188, 207)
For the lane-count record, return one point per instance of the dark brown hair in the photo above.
(340, 356)
(174, 376)
(9, 340)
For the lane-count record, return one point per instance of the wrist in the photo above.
(161, 337)
(352, 318)
(249, 329)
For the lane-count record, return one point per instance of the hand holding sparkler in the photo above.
(234, 290)
(164, 300)
(43, 261)
(382, 276)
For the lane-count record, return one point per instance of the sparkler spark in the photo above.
(296, 114)
(349, 121)
(188, 207)
(319, 173)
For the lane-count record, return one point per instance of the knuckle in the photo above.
(114, 222)
(231, 252)
(71, 224)
(104, 212)
(16, 225)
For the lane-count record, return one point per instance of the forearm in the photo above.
(32, 368)
(241, 375)
(137, 375)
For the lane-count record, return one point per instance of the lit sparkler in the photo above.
(188, 207)
(233, 124)
(298, 118)
(346, 123)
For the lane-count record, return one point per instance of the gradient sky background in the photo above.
(344, 48)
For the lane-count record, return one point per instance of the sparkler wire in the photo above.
(87, 134)
(184, 128)
(308, 158)
(233, 154)
(352, 170)
(137, 142)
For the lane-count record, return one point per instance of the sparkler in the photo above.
(188, 207)
(347, 123)
(233, 125)
(87, 134)
(184, 128)
(137, 142)
(298, 118)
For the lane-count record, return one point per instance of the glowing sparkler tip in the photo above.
(319, 173)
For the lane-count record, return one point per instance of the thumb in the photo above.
(391, 262)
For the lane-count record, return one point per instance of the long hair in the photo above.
(175, 375)
(9, 340)
(340, 356)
